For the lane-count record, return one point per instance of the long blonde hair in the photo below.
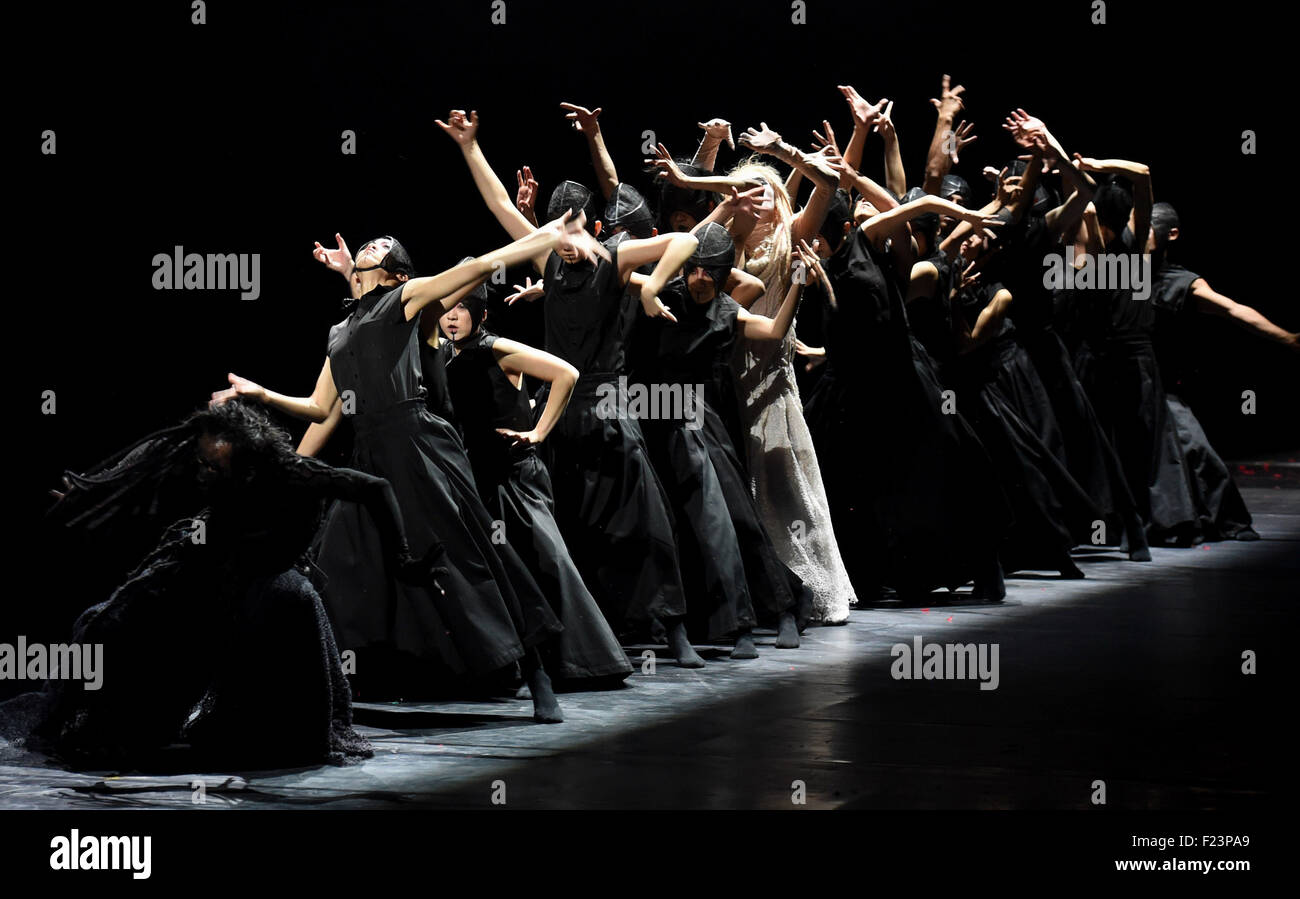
(770, 258)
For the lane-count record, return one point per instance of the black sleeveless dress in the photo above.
(1220, 509)
(912, 496)
(516, 488)
(734, 578)
(610, 504)
(492, 609)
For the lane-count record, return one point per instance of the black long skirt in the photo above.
(1123, 382)
(1221, 511)
(1087, 452)
(911, 490)
(491, 609)
(613, 512)
(734, 578)
(523, 501)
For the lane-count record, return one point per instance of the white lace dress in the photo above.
(784, 475)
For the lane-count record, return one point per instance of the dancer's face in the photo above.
(457, 324)
(863, 210)
(373, 253)
(699, 284)
(214, 457)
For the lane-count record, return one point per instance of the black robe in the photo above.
(913, 500)
(1220, 509)
(408, 636)
(516, 489)
(734, 578)
(610, 504)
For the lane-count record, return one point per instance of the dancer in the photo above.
(723, 545)
(485, 375)
(218, 638)
(1221, 511)
(611, 507)
(493, 613)
(921, 507)
(784, 475)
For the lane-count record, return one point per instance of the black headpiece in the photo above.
(567, 195)
(954, 184)
(716, 253)
(628, 210)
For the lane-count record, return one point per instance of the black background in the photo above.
(225, 138)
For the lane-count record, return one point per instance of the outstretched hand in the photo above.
(864, 113)
(336, 260)
(526, 196)
(461, 128)
(666, 167)
(761, 140)
(520, 438)
(583, 119)
(719, 130)
(526, 291)
(950, 102)
(238, 387)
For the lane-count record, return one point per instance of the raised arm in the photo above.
(989, 323)
(1139, 220)
(446, 288)
(812, 166)
(463, 129)
(668, 170)
(585, 120)
(715, 132)
(895, 176)
(864, 119)
(939, 160)
(885, 223)
(516, 358)
(315, 407)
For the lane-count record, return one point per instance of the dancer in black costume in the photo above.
(217, 638)
(493, 613)
(1221, 511)
(1116, 362)
(725, 551)
(484, 373)
(918, 503)
(612, 509)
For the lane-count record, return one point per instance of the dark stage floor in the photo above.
(1132, 676)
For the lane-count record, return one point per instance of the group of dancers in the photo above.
(967, 421)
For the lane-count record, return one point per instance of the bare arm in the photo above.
(315, 407)
(715, 132)
(1206, 299)
(518, 358)
(939, 161)
(585, 120)
(989, 322)
(319, 432)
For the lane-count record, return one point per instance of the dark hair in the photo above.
(1164, 218)
(254, 438)
(1114, 203)
(838, 211)
(398, 261)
